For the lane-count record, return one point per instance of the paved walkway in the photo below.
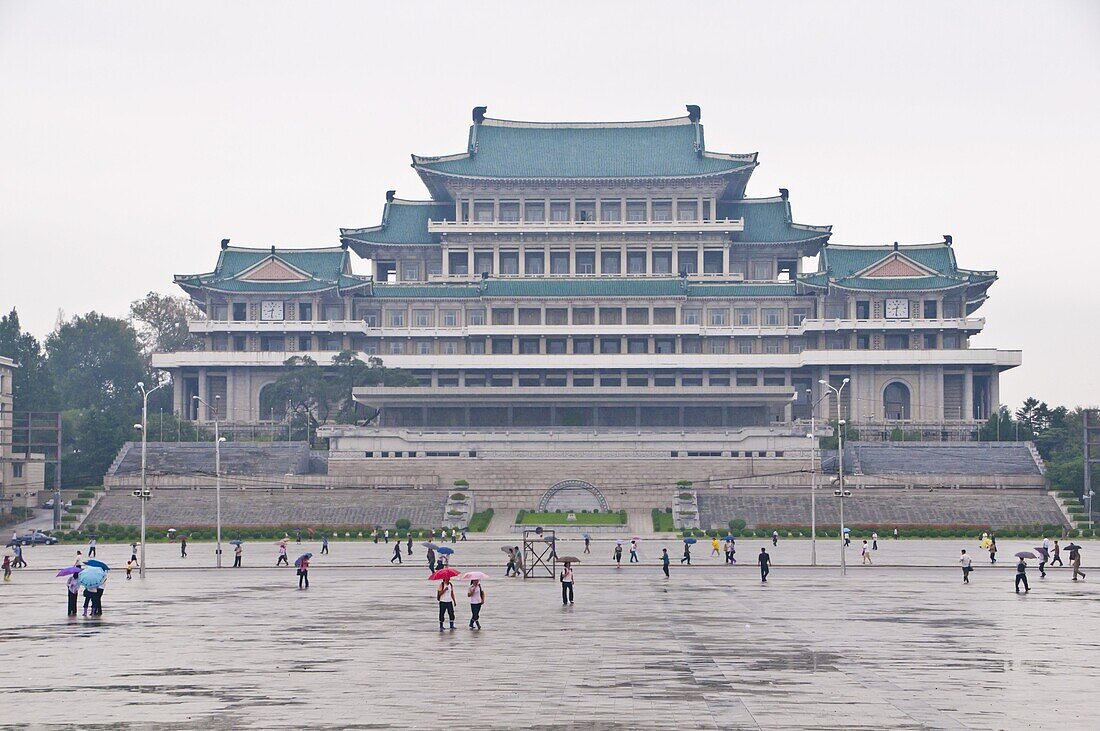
(887, 647)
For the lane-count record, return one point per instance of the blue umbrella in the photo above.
(728, 538)
(585, 535)
(445, 550)
(303, 557)
(236, 542)
(689, 541)
(92, 576)
(97, 563)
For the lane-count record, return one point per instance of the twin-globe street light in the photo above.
(143, 494)
(840, 492)
(217, 468)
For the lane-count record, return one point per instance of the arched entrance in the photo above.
(572, 495)
(896, 402)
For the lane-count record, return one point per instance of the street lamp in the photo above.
(1088, 505)
(144, 496)
(813, 474)
(840, 493)
(217, 469)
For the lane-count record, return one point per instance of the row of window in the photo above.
(613, 210)
(240, 310)
(894, 341)
(559, 379)
(611, 261)
(714, 316)
(929, 309)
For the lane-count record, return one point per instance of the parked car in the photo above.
(49, 504)
(34, 538)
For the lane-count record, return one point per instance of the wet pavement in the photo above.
(901, 644)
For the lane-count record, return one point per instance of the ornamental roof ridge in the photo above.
(668, 122)
(887, 248)
(276, 250)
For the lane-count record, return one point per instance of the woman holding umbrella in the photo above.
(686, 558)
(72, 585)
(445, 595)
(302, 564)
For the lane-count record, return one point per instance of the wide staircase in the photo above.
(964, 458)
(197, 458)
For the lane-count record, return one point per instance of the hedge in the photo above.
(480, 520)
(662, 521)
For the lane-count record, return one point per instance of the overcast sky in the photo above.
(135, 135)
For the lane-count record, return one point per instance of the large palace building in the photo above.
(585, 288)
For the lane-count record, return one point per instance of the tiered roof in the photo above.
(404, 223)
(924, 267)
(278, 271)
(769, 221)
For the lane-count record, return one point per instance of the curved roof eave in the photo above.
(719, 173)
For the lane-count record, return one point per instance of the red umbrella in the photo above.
(447, 573)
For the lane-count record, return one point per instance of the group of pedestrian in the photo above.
(1048, 553)
(445, 596)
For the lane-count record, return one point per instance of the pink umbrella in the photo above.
(473, 576)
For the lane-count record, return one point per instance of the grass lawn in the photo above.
(531, 518)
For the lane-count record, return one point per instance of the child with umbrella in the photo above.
(445, 595)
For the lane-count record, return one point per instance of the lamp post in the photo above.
(813, 474)
(144, 494)
(1088, 505)
(840, 493)
(218, 439)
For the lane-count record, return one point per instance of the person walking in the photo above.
(183, 546)
(130, 569)
(303, 572)
(567, 584)
(431, 559)
(72, 586)
(866, 553)
(237, 551)
(79, 559)
(1075, 560)
(7, 568)
(445, 595)
(587, 544)
(133, 552)
(775, 538)
(374, 535)
(511, 566)
(633, 551)
(874, 541)
(1021, 576)
(282, 560)
(618, 555)
(1044, 556)
(396, 553)
(462, 537)
(324, 544)
(409, 544)
(714, 546)
(665, 559)
(476, 594)
(89, 593)
(298, 535)
(91, 547)
(847, 538)
(765, 562)
(18, 563)
(687, 554)
(965, 562)
(729, 550)
(895, 534)
(993, 552)
(1057, 559)
(387, 535)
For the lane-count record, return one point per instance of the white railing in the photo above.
(724, 224)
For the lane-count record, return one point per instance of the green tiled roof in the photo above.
(768, 220)
(840, 266)
(404, 223)
(664, 148)
(737, 289)
(418, 291)
(594, 287)
(328, 268)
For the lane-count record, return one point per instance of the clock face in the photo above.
(271, 310)
(897, 309)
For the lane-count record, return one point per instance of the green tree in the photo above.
(95, 362)
(32, 388)
(161, 323)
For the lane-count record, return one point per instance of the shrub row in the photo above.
(662, 520)
(861, 532)
(107, 533)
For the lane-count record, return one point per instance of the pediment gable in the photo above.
(896, 265)
(273, 269)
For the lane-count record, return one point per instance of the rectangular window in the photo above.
(219, 312)
(334, 312)
(863, 342)
(475, 317)
(396, 318)
(582, 346)
(637, 315)
(585, 211)
(534, 211)
(559, 211)
(746, 317)
(744, 347)
(797, 345)
(664, 315)
(687, 210)
(240, 312)
(746, 380)
(662, 210)
(530, 316)
(836, 310)
(897, 342)
(787, 269)
(692, 317)
(332, 343)
(502, 346)
(930, 309)
(559, 262)
(534, 261)
(305, 342)
(929, 341)
(718, 378)
(509, 262)
(772, 316)
(761, 270)
(555, 346)
(637, 345)
(221, 343)
(423, 318)
(691, 345)
(240, 343)
(272, 344)
(459, 262)
(611, 211)
(509, 211)
(483, 211)
(950, 341)
(635, 262)
(662, 262)
(529, 346)
(611, 262)
(483, 262)
(687, 261)
(951, 310)
(795, 317)
(611, 316)
(16, 469)
(475, 347)
(397, 348)
(448, 347)
(610, 345)
(717, 346)
(771, 346)
(665, 346)
(611, 379)
(557, 316)
(502, 316)
(836, 342)
(863, 310)
(635, 211)
(450, 318)
(584, 316)
(718, 318)
(370, 317)
(586, 262)
(712, 262)
(305, 311)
